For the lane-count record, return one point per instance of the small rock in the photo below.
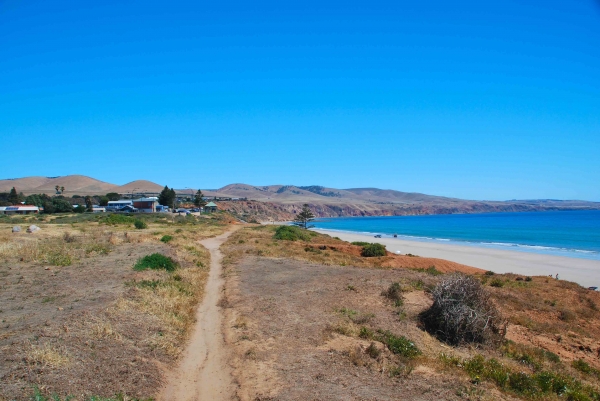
(33, 228)
(16, 229)
(46, 268)
(59, 308)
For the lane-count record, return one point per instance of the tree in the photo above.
(88, 203)
(104, 201)
(62, 190)
(113, 196)
(198, 201)
(167, 197)
(57, 188)
(304, 217)
(13, 197)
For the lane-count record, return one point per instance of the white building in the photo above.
(22, 209)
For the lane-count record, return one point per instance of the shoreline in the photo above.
(585, 272)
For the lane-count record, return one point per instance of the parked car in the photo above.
(195, 210)
(378, 236)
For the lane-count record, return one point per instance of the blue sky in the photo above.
(471, 99)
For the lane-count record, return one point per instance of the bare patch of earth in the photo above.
(55, 331)
(282, 320)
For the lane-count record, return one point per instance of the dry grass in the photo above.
(551, 322)
(48, 355)
(148, 323)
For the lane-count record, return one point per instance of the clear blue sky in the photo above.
(472, 99)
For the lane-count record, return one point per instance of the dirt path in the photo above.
(203, 373)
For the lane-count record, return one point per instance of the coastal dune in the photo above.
(582, 271)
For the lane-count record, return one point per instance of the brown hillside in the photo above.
(75, 184)
(139, 186)
(22, 184)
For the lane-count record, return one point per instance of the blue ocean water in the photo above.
(564, 233)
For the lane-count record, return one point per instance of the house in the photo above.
(116, 205)
(146, 205)
(98, 209)
(210, 207)
(21, 209)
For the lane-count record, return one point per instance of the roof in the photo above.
(150, 199)
(120, 201)
(211, 204)
(16, 208)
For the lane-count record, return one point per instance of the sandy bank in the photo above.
(583, 271)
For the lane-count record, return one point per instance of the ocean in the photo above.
(565, 233)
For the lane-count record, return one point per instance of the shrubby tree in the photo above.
(198, 201)
(113, 196)
(89, 204)
(57, 205)
(13, 197)
(37, 200)
(104, 201)
(304, 217)
(167, 197)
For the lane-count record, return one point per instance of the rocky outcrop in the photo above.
(272, 211)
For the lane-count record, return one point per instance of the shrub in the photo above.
(360, 243)
(166, 238)
(430, 270)
(497, 283)
(372, 250)
(291, 233)
(156, 261)
(118, 219)
(139, 224)
(489, 273)
(394, 292)
(399, 345)
(462, 312)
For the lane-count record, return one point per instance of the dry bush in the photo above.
(462, 312)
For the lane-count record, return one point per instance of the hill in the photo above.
(139, 186)
(283, 201)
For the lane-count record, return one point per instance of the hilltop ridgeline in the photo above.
(281, 202)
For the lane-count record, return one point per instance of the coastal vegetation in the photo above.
(531, 337)
(304, 218)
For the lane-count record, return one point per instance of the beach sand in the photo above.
(582, 271)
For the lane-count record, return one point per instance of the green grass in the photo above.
(430, 270)
(156, 261)
(59, 258)
(399, 345)
(360, 243)
(291, 233)
(528, 385)
(115, 219)
(584, 367)
(166, 238)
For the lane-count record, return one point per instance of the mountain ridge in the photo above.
(283, 201)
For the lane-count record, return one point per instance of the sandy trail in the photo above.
(203, 373)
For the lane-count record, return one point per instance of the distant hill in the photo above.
(283, 201)
(74, 184)
(139, 186)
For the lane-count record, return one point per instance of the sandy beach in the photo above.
(583, 271)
